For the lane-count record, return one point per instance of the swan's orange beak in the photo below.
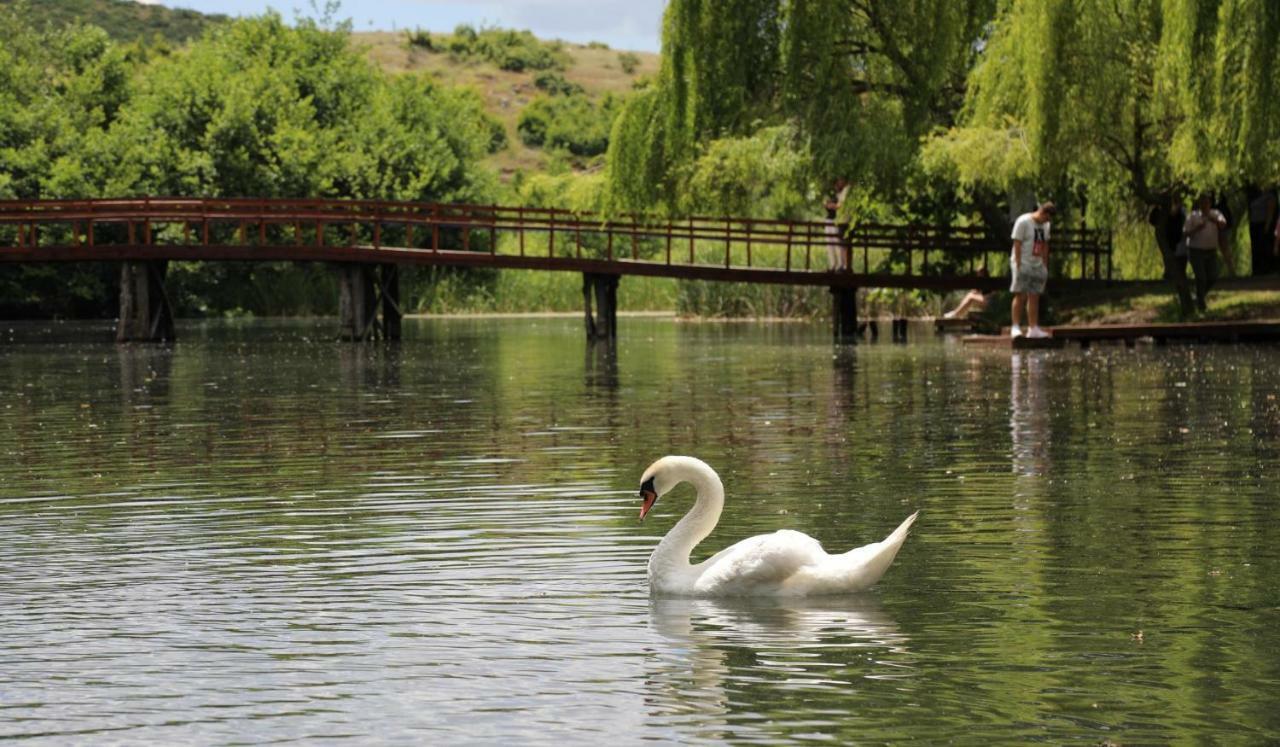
(650, 498)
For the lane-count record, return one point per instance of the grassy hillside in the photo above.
(124, 20)
(597, 69)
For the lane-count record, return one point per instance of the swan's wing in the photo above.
(758, 562)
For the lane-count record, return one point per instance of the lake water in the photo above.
(260, 535)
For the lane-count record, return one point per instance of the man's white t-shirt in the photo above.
(1034, 237)
(1206, 238)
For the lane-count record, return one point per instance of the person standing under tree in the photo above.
(1262, 221)
(1202, 229)
(1030, 265)
(837, 256)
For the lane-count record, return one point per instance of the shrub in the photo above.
(509, 50)
(419, 39)
(629, 61)
(556, 85)
(571, 123)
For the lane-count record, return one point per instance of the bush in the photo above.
(556, 85)
(629, 62)
(509, 50)
(419, 39)
(571, 123)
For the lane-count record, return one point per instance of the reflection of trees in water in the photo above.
(739, 661)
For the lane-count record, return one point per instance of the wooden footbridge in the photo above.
(369, 240)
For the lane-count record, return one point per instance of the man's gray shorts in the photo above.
(1030, 278)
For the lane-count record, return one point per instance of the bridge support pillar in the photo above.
(145, 312)
(604, 325)
(363, 291)
(844, 313)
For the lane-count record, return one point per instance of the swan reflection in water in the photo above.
(744, 656)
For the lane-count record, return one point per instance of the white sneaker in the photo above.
(949, 315)
(1015, 331)
(1037, 334)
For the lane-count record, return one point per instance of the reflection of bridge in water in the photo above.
(369, 240)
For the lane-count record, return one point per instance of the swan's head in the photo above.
(665, 474)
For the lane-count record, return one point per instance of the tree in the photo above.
(860, 80)
(59, 91)
(1126, 102)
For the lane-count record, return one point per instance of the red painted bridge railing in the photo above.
(723, 248)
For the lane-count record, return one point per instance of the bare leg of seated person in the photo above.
(968, 303)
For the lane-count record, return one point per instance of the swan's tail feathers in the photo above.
(900, 534)
(865, 565)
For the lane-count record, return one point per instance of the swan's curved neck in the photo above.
(673, 551)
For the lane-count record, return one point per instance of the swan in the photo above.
(785, 563)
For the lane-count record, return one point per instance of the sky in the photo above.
(622, 24)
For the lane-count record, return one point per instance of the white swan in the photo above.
(785, 563)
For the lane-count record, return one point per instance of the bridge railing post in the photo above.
(435, 229)
(791, 227)
(493, 229)
(728, 234)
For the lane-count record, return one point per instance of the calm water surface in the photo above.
(260, 535)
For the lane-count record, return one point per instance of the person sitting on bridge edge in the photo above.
(974, 300)
(837, 256)
(1030, 266)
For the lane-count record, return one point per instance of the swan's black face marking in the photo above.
(648, 495)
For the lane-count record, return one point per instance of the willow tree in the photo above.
(859, 80)
(1126, 102)
(1223, 59)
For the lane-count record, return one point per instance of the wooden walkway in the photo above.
(408, 233)
(1015, 343)
(1129, 334)
(1242, 331)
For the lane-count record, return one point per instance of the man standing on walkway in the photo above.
(1030, 267)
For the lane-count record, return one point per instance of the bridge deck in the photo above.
(706, 248)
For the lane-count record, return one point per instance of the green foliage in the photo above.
(761, 176)
(60, 89)
(861, 82)
(573, 123)
(258, 108)
(123, 20)
(253, 108)
(554, 84)
(1126, 100)
(701, 298)
(629, 62)
(509, 50)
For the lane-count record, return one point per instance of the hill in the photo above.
(124, 20)
(597, 69)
